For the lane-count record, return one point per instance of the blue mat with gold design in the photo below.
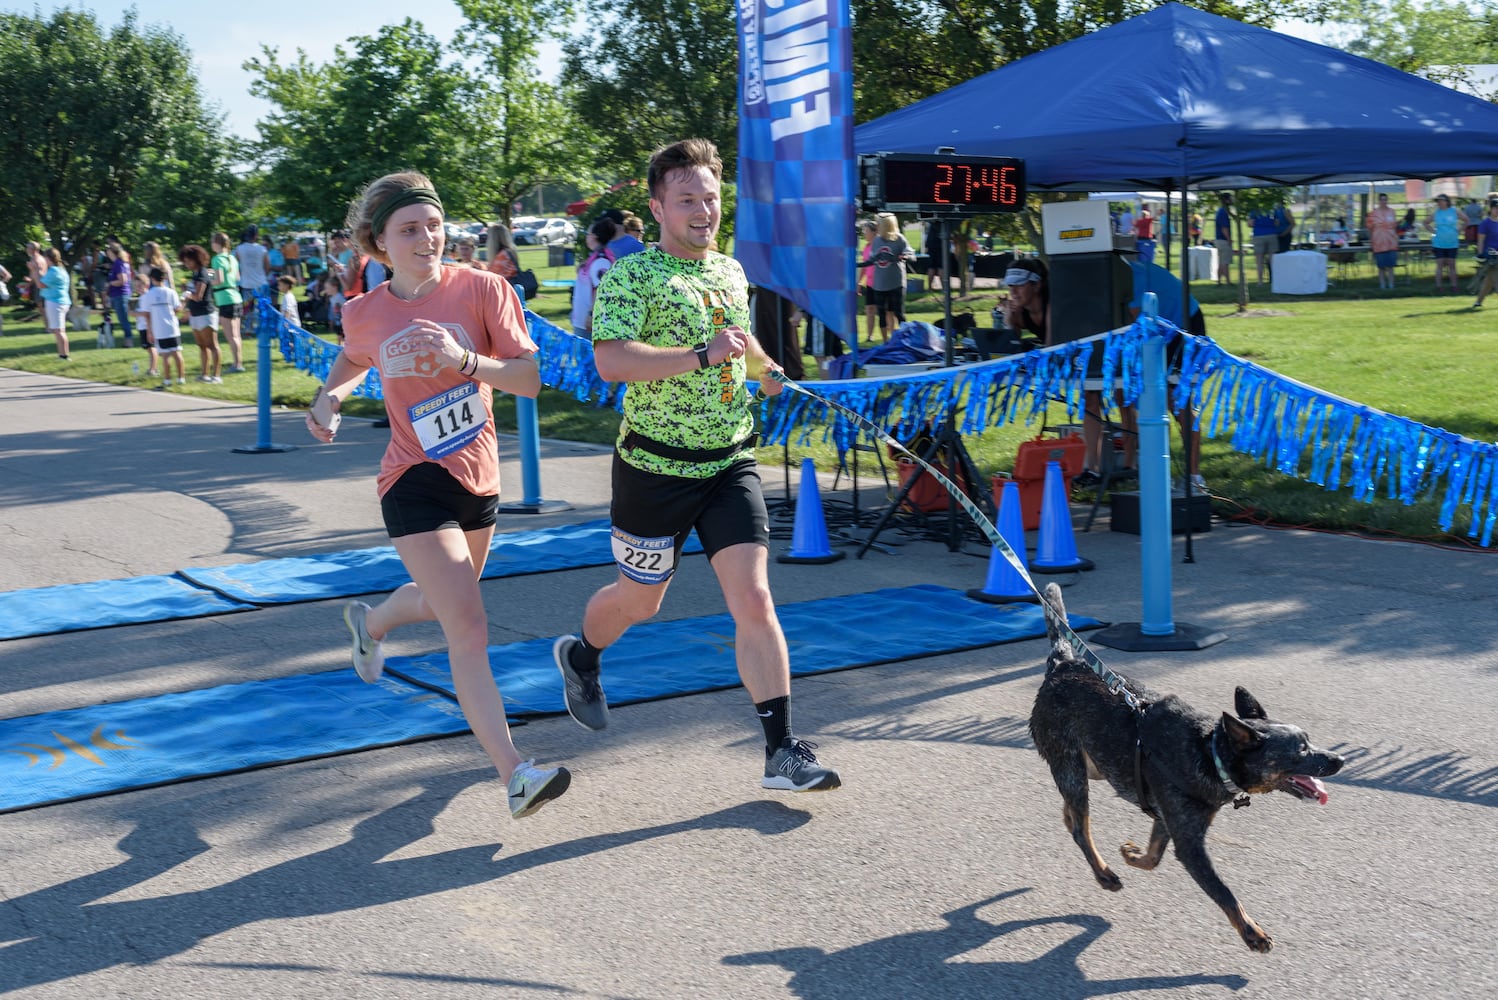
(79, 753)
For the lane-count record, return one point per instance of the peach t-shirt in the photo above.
(437, 415)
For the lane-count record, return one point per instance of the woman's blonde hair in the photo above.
(499, 238)
(361, 211)
(889, 226)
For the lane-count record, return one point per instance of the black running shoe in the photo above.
(580, 689)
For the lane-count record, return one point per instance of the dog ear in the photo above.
(1248, 706)
(1240, 735)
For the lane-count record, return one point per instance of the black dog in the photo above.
(1177, 764)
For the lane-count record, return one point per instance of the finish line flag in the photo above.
(794, 233)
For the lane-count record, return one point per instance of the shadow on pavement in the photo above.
(65, 930)
(921, 963)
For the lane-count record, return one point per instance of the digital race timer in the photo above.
(942, 184)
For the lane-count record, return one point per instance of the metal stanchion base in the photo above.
(263, 449)
(537, 507)
(1128, 637)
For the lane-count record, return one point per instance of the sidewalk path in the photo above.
(940, 870)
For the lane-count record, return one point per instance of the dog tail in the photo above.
(1055, 614)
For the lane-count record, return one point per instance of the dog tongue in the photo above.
(1311, 787)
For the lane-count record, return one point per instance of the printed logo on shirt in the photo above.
(401, 356)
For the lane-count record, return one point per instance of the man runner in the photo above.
(673, 322)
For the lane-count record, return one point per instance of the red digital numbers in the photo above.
(969, 185)
(961, 184)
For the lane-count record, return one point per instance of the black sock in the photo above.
(775, 716)
(584, 655)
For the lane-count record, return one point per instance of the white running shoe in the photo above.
(369, 659)
(531, 787)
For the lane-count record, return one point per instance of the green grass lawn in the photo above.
(1406, 351)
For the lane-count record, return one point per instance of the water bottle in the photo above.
(135, 369)
(998, 318)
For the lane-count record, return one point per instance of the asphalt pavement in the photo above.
(940, 869)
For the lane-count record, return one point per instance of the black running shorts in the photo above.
(653, 514)
(427, 498)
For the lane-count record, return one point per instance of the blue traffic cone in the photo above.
(1005, 583)
(809, 542)
(1056, 551)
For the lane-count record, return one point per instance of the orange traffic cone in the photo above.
(809, 542)
(1056, 550)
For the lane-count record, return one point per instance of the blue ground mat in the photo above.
(663, 659)
(192, 593)
(379, 570)
(70, 608)
(78, 753)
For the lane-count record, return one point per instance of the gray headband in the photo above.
(1020, 276)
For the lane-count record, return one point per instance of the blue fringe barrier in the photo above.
(1293, 428)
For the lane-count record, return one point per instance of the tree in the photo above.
(186, 189)
(397, 100)
(87, 118)
(1435, 38)
(653, 72)
(532, 135)
(388, 104)
(907, 50)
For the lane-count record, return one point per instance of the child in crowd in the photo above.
(332, 289)
(289, 308)
(160, 304)
(140, 320)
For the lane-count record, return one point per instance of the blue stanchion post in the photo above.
(1157, 631)
(1154, 480)
(528, 430)
(263, 444)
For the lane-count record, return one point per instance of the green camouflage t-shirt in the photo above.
(665, 301)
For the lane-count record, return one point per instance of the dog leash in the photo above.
(1080, 649)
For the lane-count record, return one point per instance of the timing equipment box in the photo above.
(1125, 513)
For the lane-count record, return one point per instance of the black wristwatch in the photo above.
(701, 352)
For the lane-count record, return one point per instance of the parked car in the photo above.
(550, 231)
(523, 224)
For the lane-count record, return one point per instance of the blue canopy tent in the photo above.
(1179, 98)
(1176, 99)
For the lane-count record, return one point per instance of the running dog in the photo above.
(1177, 764)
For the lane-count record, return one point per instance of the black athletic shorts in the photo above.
(653, 514)
(427, 498)
(234, 310)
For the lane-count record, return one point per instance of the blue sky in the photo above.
(223, 35)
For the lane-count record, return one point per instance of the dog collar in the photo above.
(1240, 797)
